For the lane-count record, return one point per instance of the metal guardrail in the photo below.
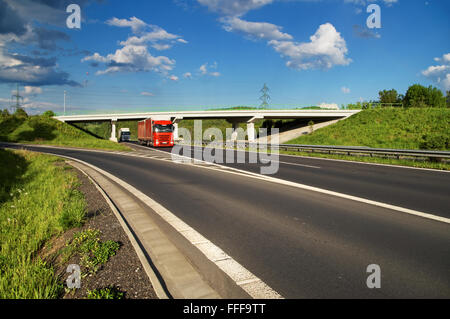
(347, 150)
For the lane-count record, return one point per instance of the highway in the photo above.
(302, 243)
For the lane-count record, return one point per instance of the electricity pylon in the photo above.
(265, 97)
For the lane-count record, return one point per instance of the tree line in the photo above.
(416, 96)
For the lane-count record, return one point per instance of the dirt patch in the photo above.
(123, 271)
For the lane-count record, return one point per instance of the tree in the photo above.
(388, 96)
(448, 98)
(420, 96)
(20, 112)
(49, 114)
(5, 113)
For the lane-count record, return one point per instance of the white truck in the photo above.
(124, 135)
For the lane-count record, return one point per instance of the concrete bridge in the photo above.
(233, 116)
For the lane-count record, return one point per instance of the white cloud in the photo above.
(133, 58)
(440, 74)
(32, 90)
(147, 94)
(234, 7)
(173, 78)
(157, 34)
(188, 75)
(345, 90)
(326, 49)
(258, 30)
(161, 47)
(331, 106)
(134, 23)
(134, 55)
(203, 69)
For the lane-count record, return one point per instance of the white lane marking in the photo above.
(368, 163)
(236, 171)
(253, 285)
(297, 164)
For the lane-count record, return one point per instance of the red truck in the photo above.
(156, 132)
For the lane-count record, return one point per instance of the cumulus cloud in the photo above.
(132, 58)
(440, 74)
(174, 78)
(32, 90)
(345, 90)
(203, 69)
(326, 49)
(134, 23)
(134, 55)
(258, 30)
(234, 7)
(187, 75)
(147, 94)
(32, 71)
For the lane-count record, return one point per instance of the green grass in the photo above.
(38, 200)
(414, 128)
(45, 130)
(92, 251)
(105, 293)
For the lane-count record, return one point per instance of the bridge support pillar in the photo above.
(175, 122)
(113, 131)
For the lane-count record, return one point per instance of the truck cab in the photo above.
(156, 132)
(124, 135)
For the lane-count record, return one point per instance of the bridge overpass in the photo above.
(233, 116)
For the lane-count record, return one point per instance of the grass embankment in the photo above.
(414, 128)
(46, 130)
(39, 201)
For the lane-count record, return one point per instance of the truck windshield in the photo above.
(159, 128)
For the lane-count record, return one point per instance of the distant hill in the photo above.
(413, 128)
(42, 129)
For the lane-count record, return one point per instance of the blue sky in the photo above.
(195, 54)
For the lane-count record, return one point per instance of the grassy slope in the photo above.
(413, 128)
(45, 130)
(37, 201)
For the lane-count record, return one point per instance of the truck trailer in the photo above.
(156, 132)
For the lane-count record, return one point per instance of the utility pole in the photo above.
(265, 97)
(18, 97)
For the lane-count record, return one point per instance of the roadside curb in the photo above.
(171, 275)
(160, 291)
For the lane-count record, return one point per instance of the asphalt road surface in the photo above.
(302, 243)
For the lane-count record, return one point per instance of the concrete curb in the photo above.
(173, 275)
(160, 291)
